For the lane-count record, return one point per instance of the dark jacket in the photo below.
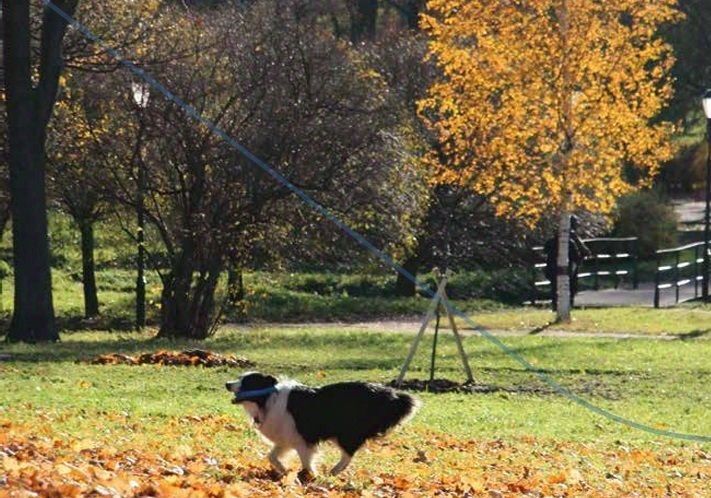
(577, 251)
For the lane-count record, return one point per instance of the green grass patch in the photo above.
(660, 383)
(276, 298)
(692, 322)
(270, 297)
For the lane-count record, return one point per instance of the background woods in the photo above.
(404, 119)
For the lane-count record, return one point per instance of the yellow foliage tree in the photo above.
(549, 106)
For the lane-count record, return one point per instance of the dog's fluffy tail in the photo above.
(400, 408)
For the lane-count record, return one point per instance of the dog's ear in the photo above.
(255, 380)
(271, 380)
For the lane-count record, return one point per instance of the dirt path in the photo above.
(404, 326)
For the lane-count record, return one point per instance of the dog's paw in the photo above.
(305, 476)
(275, 475)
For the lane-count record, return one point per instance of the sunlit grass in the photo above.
(694, 321)
(661, 383)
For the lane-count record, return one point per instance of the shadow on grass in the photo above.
(304, 351)
(110, 320)
(83, 345)
(438, 386)
(74, 350)
(104, 322)
(395, 363)
(541, 328)
(359, 346)
(694, 334)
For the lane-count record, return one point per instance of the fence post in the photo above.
(696, 272)
(657, 278)
(635, 276)
(676, 276)
(615, 265)
(534, 271)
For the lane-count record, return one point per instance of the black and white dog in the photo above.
(296, 417)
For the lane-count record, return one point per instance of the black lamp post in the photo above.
(141, 94)
(707, 215)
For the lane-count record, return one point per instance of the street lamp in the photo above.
(141, 95)
(707, 215)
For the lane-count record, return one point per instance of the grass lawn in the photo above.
(270, 297)
(690, 321)
(173, 430)
(286, 298)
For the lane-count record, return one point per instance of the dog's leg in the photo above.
(306, 455)
(342, 464)
(274, 456)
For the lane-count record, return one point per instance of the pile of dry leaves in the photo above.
(190, 358)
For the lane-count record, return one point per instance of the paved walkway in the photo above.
(691, 214)
(643, 296)
(411, 325)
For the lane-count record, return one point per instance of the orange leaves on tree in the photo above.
(548, 105)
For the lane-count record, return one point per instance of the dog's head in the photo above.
(251, 382)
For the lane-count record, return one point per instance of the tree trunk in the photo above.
(405, 287)
(412, 13)
(33, 313)
(364, 19)
(562, 271)
(175, 303)
(235, 286)
(4, 219)
(188, 308)
(141, 250)
(91, 300)
(204, 312)
(188, 312)
(563, 265)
